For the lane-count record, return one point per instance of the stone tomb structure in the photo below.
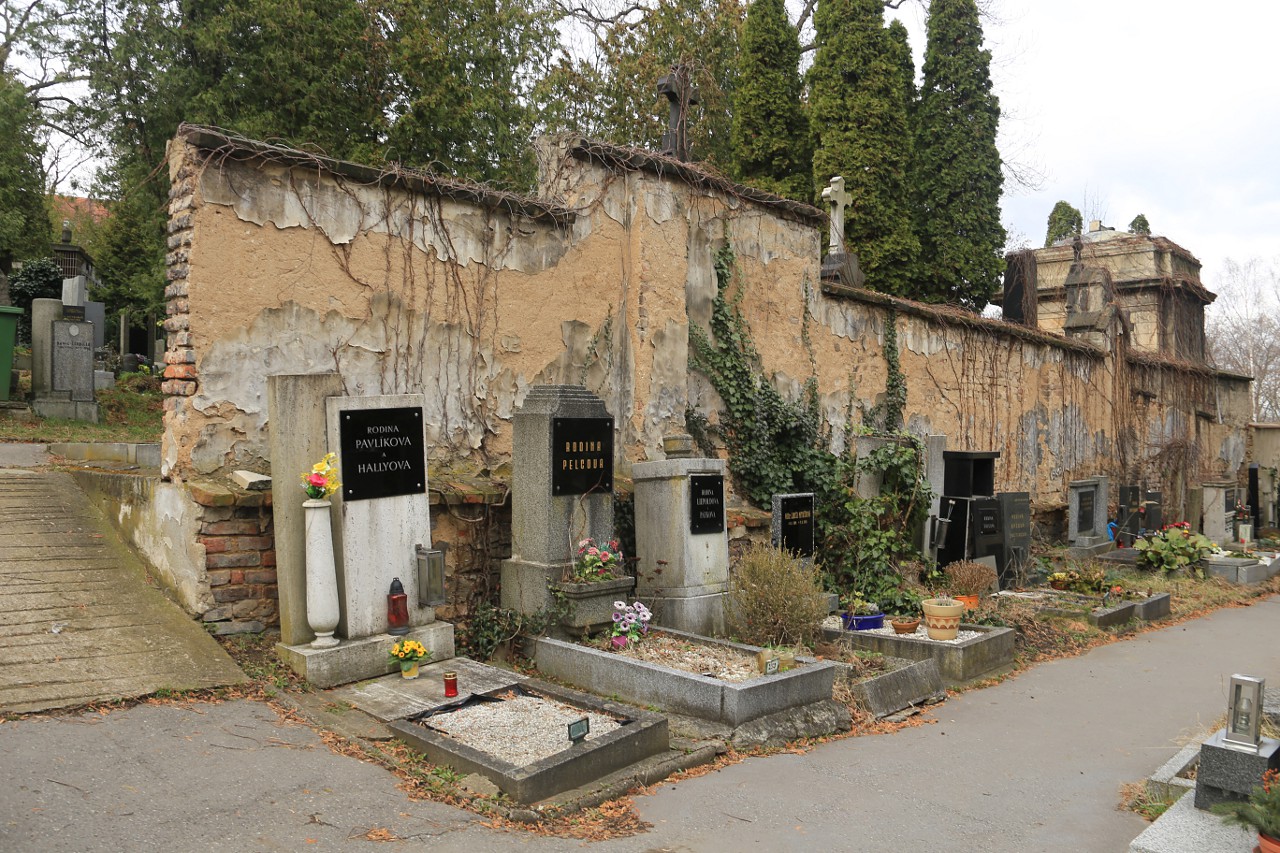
(380, 517)
(285, 263)
(62, 345)
(1087, 517)
(561, 490)
(681, 541)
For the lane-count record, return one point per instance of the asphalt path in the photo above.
(1032, 764)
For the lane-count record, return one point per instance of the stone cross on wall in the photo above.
(682, 95)
(838, 199)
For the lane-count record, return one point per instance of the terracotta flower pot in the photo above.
(905, 626)
(1058, 584)
(970, 601)
(942, 620)
(1267, 844)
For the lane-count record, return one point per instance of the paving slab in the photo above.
(78, 621)
(14, 455)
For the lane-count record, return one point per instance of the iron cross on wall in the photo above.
(682, 95)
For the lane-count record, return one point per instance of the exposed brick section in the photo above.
(180, 371)
(240, 556)
(224, 561)
(181, 376)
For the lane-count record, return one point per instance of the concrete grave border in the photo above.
(985, 656)
(642, 735)
(730, 703)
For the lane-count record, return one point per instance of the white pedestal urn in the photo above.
(322, 575)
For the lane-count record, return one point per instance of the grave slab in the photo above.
(1185, 829)
(731, 703)
(72, 359)
(982, 657)
(909, 684)
(356, 660)
(392, 697)
(643, 735)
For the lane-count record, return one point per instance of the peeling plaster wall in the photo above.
(280, 270)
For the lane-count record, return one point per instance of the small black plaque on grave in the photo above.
(706, 503)
(74, 313)
(1084, 516)
(383, 453)
(581, 455)
(988, 520)
(797, 525)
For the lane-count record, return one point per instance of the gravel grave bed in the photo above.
(721, 662)
(920, 633)
(520, 729)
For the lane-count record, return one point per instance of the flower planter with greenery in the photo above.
(594, 582)
(860, 615)
(942, 617)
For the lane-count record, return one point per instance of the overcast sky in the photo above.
(1164, 107)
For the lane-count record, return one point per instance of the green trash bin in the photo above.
(8, 333)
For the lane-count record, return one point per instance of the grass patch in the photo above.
(132, 411)
(1135, 797)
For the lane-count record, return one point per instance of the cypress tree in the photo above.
(957, 166)
(1140, 225)
(771, 145)
(1064, 220)
(859, 118)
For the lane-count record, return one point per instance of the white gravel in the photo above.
(920, 633)
(520, 730)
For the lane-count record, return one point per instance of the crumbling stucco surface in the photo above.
(295, 270)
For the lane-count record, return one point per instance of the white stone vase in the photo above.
(322, 575)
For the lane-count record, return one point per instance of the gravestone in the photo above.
(792, 526)
(682, 544)
(1219, 512)
(561, 489)
(62, 379)
(96, 313)
(72, 359)
(380, 515)
(1087, 517)
(1014, 556)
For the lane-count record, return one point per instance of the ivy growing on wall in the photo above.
(778, 446)
(775, 446)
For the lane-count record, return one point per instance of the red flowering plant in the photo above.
(594, 564)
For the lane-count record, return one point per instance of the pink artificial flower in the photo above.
(316, 480)
(594, 552)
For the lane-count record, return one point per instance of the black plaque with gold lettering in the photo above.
(706, 503)
(581, 455)
(382, 453)
(797, 525)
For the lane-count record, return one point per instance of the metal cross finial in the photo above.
(675, 142)
(835, 195)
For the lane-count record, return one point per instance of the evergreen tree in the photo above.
(771, 143)
(859, 119)
(1140, 225)
(901, 46)
(463, 81)
(957, 167)
(1064, 221)
(24, 222)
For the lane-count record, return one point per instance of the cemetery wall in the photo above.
(281, 262)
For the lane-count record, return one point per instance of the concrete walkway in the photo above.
(1033, 764)
(78, 622)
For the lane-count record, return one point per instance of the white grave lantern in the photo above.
(1244, 714)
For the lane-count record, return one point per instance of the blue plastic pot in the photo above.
(861, 623)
